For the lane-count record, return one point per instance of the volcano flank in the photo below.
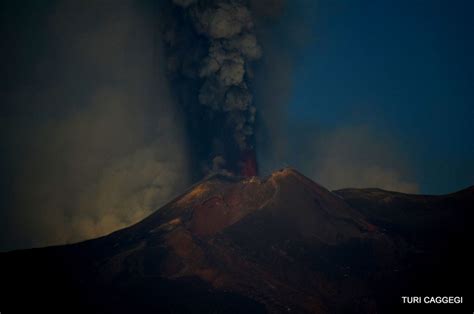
(283, 244)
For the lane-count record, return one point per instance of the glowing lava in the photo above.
(249, 164)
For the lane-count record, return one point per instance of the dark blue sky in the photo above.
(403, 68)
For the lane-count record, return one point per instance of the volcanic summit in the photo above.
(283, 244)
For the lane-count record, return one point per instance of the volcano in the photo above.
(283, 244)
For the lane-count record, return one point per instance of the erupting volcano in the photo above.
(152, 129)
(250, 245)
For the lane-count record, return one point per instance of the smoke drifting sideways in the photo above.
(358, 156)
(91, 140)
(211, 49)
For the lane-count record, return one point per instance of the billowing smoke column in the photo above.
(211, 45)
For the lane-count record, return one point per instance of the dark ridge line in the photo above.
(469, 189)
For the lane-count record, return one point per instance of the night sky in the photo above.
(351, 93)
(402, 68)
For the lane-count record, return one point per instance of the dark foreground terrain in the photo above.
(282, 244)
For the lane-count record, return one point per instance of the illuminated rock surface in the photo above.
(249, 245)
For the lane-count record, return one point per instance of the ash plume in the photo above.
(211, 50)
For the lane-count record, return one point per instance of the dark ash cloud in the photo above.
(211, 49)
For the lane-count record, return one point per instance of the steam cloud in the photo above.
(354, 156)
(92, 137)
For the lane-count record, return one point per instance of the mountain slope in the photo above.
(229, 245)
